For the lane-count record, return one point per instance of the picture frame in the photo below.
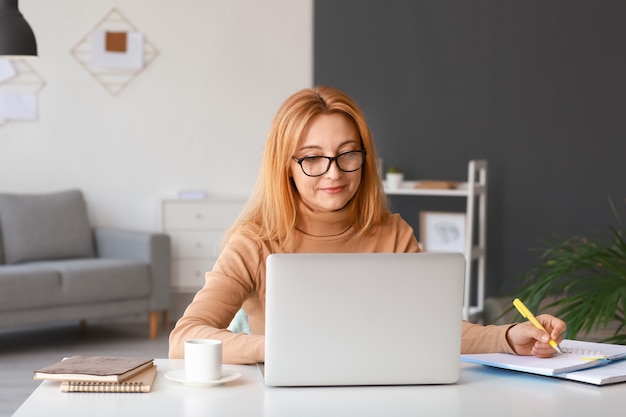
(442, 231)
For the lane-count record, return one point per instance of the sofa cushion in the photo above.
(23, 288)
(100, 280)
(45, 226)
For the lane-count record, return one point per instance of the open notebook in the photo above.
(580, 361)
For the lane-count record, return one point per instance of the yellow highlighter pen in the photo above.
(525, 312)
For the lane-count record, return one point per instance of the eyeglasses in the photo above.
(314, 166)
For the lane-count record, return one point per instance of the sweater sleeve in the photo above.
(232, 280)
(485, 339)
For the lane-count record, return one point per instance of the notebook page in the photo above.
(576, 355)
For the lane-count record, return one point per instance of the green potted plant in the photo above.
(584, 280)
(394, 177)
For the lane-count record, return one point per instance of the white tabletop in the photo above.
(481, 391)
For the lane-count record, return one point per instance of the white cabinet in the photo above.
(475, 192)
(196, 229)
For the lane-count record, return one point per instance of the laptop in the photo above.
(363, 319)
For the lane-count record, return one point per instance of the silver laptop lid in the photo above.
(363, 319)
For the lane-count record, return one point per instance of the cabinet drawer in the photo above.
(196, 244)
(190, 273)
(200, 214)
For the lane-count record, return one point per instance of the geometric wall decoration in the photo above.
(20, 85)
(114, 52)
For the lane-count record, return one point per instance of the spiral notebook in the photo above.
(580, 361)
(138, 383)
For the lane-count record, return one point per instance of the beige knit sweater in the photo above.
(238, 280)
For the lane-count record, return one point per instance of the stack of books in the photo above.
(101, 374)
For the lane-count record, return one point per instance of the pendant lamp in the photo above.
(17, 39)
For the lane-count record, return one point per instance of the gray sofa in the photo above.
(55, 267)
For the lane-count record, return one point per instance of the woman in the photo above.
(318, 191)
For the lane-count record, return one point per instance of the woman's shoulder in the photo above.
(242, 255)
(242, 240)
(394, 220)
(248, 244)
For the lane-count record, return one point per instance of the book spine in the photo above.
(77, 386)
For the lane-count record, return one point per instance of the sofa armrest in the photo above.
(149, 247)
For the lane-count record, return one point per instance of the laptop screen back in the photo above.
(363, 319)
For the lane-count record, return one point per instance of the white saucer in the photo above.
(180, 376)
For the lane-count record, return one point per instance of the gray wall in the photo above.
(537, 88)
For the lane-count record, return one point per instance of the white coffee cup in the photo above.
(203, 360)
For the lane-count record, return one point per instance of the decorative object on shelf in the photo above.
(19, 91)
(438, 185)
(587, 279)
(115, 52)
(394, 177)
(192, 194)
(17, 39)
(442, 231)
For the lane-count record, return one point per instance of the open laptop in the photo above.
(363, 319)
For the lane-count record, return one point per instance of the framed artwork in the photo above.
(442, 231)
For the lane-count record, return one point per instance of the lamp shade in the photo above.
(16, 37)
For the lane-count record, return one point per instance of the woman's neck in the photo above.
(322, 223)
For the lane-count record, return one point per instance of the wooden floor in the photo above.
(25, 350)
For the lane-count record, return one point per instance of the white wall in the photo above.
(196, 118)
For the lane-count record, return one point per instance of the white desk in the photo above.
(481, 391)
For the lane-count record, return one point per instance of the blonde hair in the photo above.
(271, 212)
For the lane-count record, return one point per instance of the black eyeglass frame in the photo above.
(330, 161)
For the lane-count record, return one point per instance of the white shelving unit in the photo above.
(475, 192)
